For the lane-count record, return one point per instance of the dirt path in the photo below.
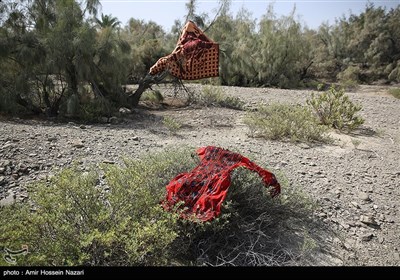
(356, 180)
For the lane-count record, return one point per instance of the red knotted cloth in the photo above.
(203, 190)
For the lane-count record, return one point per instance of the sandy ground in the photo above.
(355, 180)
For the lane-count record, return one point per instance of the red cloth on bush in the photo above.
(203, 190)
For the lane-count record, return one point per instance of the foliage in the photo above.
(172, 124)
(215, 96)
(395, 92)
(147, 42)
(153, 96)
(279, 122)
(76, 219)
(52, 54)
(335, 109)
(94, 110)
(349, 78)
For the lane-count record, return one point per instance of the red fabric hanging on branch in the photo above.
(203, 190)
(195, 56)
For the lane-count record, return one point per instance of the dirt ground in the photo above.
(355, 181)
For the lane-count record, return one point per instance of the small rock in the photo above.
(9, 200)
(364, 196)
(82, 126)
(355, 204)
(368, 220)
(2, 180)
(348, 243)
(2, 170)
(381, 239)
(32, 155)
(5, 146)
(135, 138)
(304, 146)
(5, 163)
(389, 219)
(313, 164)
(352, 224)
(124, 111)
(345, 226)
(113, 120)
(22, 168)
(337, 241)
(108, 161)
(77, 144)
(52, 138)
(366, 237)
(322, 215)
(22, 197)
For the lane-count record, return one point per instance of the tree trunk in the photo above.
(144, 84)
(134, 98)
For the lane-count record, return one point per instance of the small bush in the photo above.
(349, 78)
(335, 109)
(8, 103)
(320, 86)
(394, 75)
(395, 92)
(152, 96)
(214, 96)
(76, 221)
(278, 122)
(95, 109)
(171, 124)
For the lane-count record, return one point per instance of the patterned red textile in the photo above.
(203, 190)
(195, 56)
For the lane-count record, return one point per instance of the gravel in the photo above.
(357, 188)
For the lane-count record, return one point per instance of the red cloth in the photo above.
(195, 56)
(204, 188)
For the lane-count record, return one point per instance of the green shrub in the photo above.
(278, 121)
(9, 105)
(335, 109)
(395, 92)
(93, 110)
(215, 96)
(320, 86)
(394, 75)
(349, 78)
(152, 96)
(77, 221)
(171, 124)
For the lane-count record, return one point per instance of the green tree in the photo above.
(107, 21)
(55, 58)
